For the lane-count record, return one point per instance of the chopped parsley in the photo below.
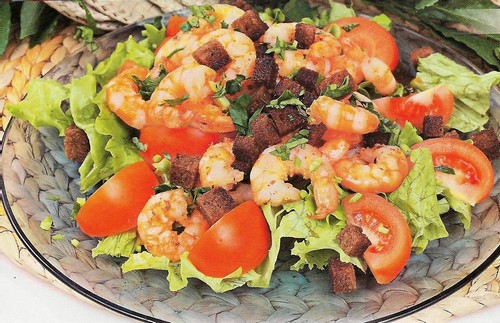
(224, 25)
(335, 91)
(238, 111)
(204, 12)
(281, 46)
(298, 139)
(175, 51)
(445, 169)
(174, 102)
(149, 85)
(286, 99)
(191, 195)
(349, 27)
(232, 86)
(142, 147)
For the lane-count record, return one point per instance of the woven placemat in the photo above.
(20, 64)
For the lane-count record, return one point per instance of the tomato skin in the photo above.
(474, 175)
(389, 252)
(389, 107)
(241, 238)
(174, 25)
(115, 206)
(369, 36)
(187, 141)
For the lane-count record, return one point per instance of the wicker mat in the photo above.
(20, 64)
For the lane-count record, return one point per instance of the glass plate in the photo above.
(35, 168)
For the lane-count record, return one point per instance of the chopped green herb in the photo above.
(382, 229)
(273, 15)
(142, 147)
(76, 207)
(287, 99)
(234, 86)
(57, 237)
(75, 243)
(356, 197)
(174, 102)
(335, 30)
(238, 111)
(86, 35)
(175, 51)
(198, 12)
(224, 25)
(350, 27)
(53, 198)
(46, 223)
(283, 151)
(164, 188)
(335, 91)
(281, 47)
(315, 164)
(444, 169)
(384, 21)
(149, 85)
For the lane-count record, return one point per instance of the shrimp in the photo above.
(269, 174)
(221, 13)
(124, 99)
(318, 57)
(184, 98)
(177, 50)
(159, 222)
(379, 73)
(344, 117)
(380, 169)
(335, 149)
(215, 166)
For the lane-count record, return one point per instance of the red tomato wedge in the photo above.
(474, 176)
(115, 206)
(174, 25)
(241, 238)
(389, 107)
(387, 230)
(187, 141)
(371, 37)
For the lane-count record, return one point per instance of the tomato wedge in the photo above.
(241, 238)
(473, 176)
(115, 206)
(369, 36)
(187, 141)
(174, 25)
(387, 230)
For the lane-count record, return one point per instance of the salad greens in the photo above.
(471, 91)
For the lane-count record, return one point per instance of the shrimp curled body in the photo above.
(344, 117)
(269, 174)
(161, 215)
(380, 169)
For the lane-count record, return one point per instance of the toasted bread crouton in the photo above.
(242, 4)
(76, 144)
(212, 54)
(251, 25)
(451, 134)
(342, 276)
(487, 141)
(284, 84)
(265, 71)
(433, 127)
(338, 78)
(287, 119)
(307, 78)
(376, 138)
(316, 132)
(304, 35)
(264, 132)
(214, 204)
(246, 152)
(308, 98)
(419, 53)
(184, 171)
(260, 98)
(353, 241)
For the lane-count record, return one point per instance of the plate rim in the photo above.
(143, 317)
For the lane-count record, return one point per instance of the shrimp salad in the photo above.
(206, 143)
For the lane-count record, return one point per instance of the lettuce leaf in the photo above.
(406, 137)
(463, 209)
(471, 91)
(417, 200)
(128, 50)
(119, 245)
(42, 105)
(153, 36)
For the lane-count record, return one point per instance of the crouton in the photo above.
(244, 166)
(265, 71)
(242, 4)
(308, 98)
(214, 204)
(376, 138)
(260, 98)
(316, 132)
(246, 152)
(342, 276)
(451, 134)
(419, 53)
(242, 193)
(304, 35)
(284, 84)
(212, 54)
(287, 119)
(184, 171)
(487, 141)
(251, 25)
(338, 78)
(261, 49)
(307, 78)
(264, 132)
(76, 144)
(353, 241)
(433, 127)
